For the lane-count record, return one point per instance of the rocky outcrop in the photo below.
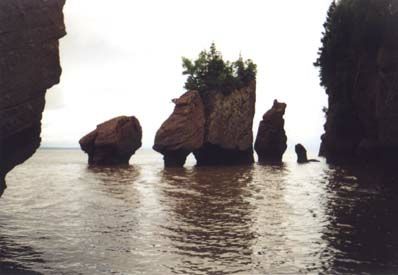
(113, 142)
(359, 69)
(215, 126)
(271, 137)
(228, 138)
(301, 153)
(29, 65)
(183, 132)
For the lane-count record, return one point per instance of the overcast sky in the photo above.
(123, 57)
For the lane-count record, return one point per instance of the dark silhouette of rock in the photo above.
(302, 154)
(271, 138)
(359, 70)
(228, 136)
(183, 131)
(113, 142)
(29, 65)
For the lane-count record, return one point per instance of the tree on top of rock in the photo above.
(209, 72)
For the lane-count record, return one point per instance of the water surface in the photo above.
(60, 216)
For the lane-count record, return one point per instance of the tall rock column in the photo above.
(29, 65)
(271, 138)
(228, 136)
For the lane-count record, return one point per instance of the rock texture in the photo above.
(271, 137)
(183, 132)
(29, 65)
(215, 126)
(228, 138)
(113, 142)
(362, 116)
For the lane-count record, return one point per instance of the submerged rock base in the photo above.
(175, 158)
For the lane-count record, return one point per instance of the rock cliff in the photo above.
(183, 132)
(359, 69)
(271, 137)
(228, 138)
(113, 142)
(29, 65)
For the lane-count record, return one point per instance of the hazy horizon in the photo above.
(124, 58)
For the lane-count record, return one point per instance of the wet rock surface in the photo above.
(271, 137)
(228, 136)
(183, 132)
(113, 142)
(29, 65)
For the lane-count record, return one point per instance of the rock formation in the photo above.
(271, 138)
(215, 126)
(29, 65)
(113, 142)
(359, 69)
(183, 132)
(302, 154)
(228, 136)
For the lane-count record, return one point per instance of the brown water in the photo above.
(60, 217)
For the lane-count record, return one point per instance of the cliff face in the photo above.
(228, 127)
(29, 65)
(359, 69)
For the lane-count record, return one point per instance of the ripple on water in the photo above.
(60, 216)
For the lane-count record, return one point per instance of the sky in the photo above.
(123, 57)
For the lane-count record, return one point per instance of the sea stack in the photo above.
(359, 71)
(228, 136)
(113, 142)
(271, 137)
(301, 153)
(215, 123)
(183, 132)
(29, 65)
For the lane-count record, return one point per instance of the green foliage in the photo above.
(353, 32)
(209, 72)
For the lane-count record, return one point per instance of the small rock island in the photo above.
(301, 153)
(113, 142)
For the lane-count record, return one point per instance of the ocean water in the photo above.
(59, 216)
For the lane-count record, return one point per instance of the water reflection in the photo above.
(362, 209)
(12, 253)
(210, 222)
(115, 181)
(60, 217)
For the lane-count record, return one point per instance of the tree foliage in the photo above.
(352, 34)
(209, 72)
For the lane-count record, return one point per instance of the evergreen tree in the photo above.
(209, 72)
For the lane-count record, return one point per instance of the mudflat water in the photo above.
(60, 216)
